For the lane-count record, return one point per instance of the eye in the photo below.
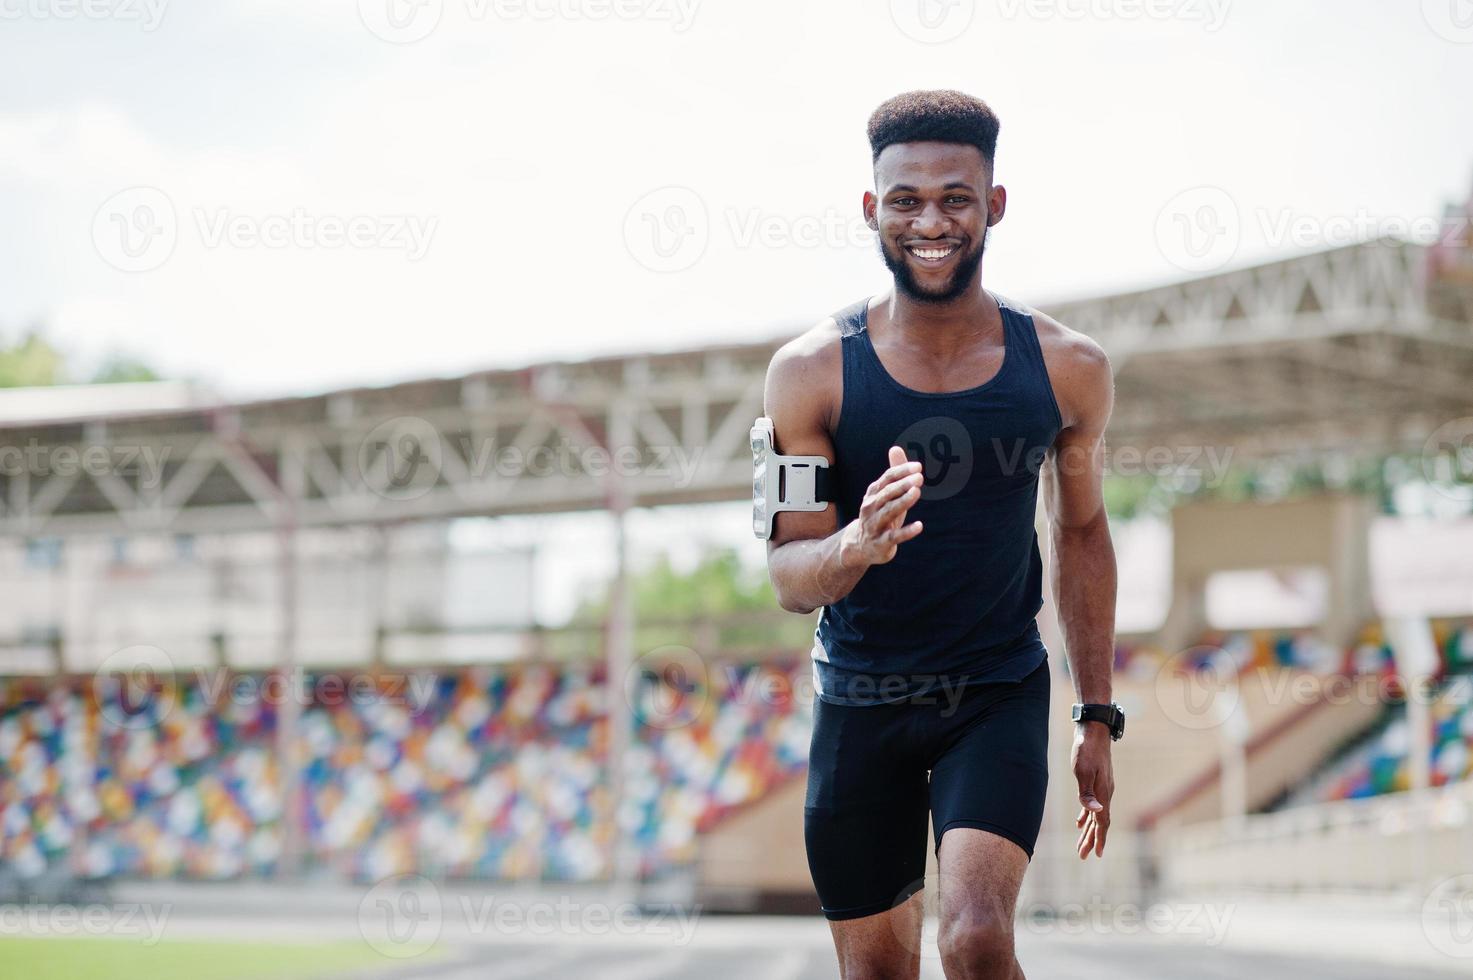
(902, 202)
(958, 199)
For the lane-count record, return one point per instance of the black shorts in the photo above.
(875, 772)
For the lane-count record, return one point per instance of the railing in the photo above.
(750, 636)
(1391, 843)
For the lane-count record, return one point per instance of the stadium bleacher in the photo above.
(498, 776)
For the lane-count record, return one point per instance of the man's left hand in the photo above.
(1096, 778)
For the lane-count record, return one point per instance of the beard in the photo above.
(961, 278)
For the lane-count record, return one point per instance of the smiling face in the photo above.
(931, 209)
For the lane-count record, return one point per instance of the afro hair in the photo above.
(942, 115)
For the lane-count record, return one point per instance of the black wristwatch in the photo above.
(1111, 714)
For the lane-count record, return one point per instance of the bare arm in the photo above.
(811, 561)
(1083, 572)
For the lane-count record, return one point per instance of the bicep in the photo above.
(1075, 470)
(794, 399)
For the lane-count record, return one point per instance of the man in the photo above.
(942, 403)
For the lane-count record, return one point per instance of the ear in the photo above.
(997, 204)
(871, 205)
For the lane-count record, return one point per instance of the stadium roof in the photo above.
(1366, 348)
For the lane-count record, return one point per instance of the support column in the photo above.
(619, 654)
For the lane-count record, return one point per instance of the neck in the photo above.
(942, 327)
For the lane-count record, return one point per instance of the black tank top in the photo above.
(956, 605)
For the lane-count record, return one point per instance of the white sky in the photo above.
(523, 140)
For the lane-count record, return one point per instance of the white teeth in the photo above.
(932, 253)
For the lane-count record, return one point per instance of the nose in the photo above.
(931, 222)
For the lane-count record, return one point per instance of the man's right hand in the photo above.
(876, 534)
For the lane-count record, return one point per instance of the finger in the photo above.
(1079, 820)
(893, 511)
(1085, 842)
(1103, 826)
(903, 533)
(896, 456)
(1090, 803)
(891, 491)
(899, 472)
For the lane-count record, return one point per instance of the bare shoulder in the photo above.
(806, 375)
(1078, 369)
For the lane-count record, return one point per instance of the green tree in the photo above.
(668, 605)
(30, 361)
(119, 367)
(33, 361)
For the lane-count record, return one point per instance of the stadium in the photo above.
(263, 684)
(382, 390)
